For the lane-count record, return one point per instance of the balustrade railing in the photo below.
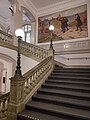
(22, 88)
(6, 37)
(27, 49)
(33, 76)
(3, 105)
(30, 80)
(34, 51)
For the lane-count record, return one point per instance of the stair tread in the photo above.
(73, 71)
(73, 77)
(82, 69)
(63, 99)
(80, 94)
(38, 116)
(67, 81)
(74, 74)
(66, 86)
(60, 109)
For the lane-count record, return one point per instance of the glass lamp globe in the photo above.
(51, 27)
(19, 33)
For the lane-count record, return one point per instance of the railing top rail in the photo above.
(29, 44)
(37, 66)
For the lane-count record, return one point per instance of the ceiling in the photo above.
(44, 3)
(38, 4)
(4, 9)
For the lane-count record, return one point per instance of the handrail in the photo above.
(27, 49)
(23, 87)
(34, 51)
(34, 76)
(4, 99)
(30, 80)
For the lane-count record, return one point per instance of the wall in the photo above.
(66, 47)
(8, 58)
(1, 68)
(27, 63)
(74, 60)
(7, 73)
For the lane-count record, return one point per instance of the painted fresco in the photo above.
(68, 24)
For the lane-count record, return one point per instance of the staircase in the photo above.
(65, 95)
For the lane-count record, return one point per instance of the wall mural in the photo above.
(68, 24)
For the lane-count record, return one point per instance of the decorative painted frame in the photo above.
(69, 24)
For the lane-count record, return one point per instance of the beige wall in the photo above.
(8, 58)
(78, 46)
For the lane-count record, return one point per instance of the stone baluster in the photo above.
(0, 109)
(3, 108)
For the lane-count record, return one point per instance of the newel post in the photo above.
(16, 98)
(17, 86)
(51, 53)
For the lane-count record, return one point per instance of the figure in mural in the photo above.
(61, 20)
(78, 22)
(62, 24)
(66, 23)
(40, 26)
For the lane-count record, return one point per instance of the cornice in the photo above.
(59, 6)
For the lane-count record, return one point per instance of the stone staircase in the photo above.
(65, 95)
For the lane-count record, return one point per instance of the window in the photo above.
(27, 31)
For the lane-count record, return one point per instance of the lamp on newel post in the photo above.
(19, 33)
(51, 28)
(16, 103)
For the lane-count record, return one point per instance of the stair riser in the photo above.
(65, 95)
(66, 83)
(71, 71)
(61, 103)
(69, 78)
(70, 89)
(74, 75)
(23, 118)
(54, 113)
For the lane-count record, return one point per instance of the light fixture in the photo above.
(19, 33)
(51, 28)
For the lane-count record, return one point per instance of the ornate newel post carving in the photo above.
(17, 86)
(16, 98)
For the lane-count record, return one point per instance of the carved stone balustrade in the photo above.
(23, 87)
(33, 76)
(6, 37)
(34, 51)
(4, 99)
